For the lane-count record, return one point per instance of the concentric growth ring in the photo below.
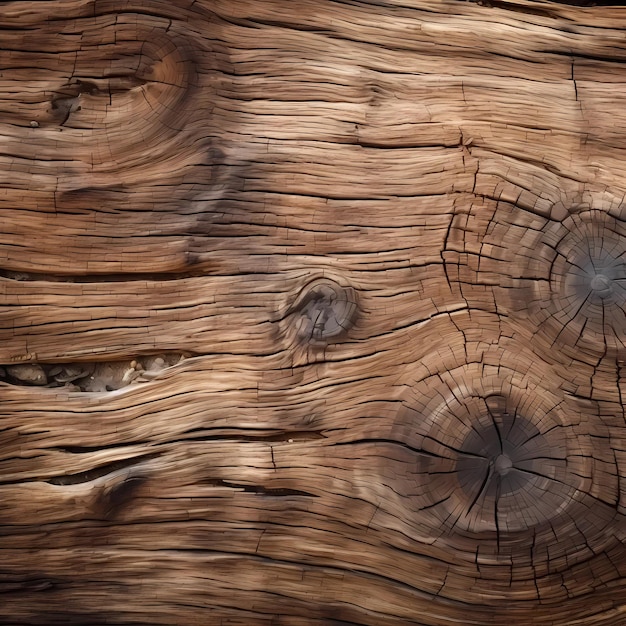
(503, 462)
(583, 307)
(512, 475)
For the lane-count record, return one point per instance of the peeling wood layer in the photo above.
(312, 315)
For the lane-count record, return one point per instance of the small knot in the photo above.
(326, 310)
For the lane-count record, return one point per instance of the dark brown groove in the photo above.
(99, 472)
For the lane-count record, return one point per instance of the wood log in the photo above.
(312, 313)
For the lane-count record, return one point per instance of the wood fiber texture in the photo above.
(312, 313)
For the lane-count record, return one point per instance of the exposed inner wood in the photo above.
(86, 376)
(312, 312)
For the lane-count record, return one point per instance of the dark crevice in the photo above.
(540, 475)
(99, 472)
(503, 4)
(99, 278)
(481, 490)
(91, 449)
(260, 490)
(591, 3)
(284, 436)
(545, 11)
(495, 510)
(582, 55)
(94, 376)
(393, 442)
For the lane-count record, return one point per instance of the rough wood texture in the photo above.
(312, 312)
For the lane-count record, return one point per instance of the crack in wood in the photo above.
(89, 376)
(100, 471)
(279, 492)
(405, 221)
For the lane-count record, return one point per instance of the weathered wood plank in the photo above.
(312, 313)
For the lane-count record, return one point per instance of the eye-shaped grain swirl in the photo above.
(581, 309)
(564, 282)
(507, 469)
(142, 105)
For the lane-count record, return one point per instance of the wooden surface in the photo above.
(312, 312)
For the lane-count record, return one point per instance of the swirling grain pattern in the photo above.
(312, 313)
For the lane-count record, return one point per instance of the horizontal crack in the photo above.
(91, 449)
(99, 472)
(260, 490)
(284, 436)
(98, 278)
(94, 376)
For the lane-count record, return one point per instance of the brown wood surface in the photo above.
(312, 312)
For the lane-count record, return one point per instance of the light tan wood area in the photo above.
(312, 312)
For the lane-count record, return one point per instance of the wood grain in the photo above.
(312, 313)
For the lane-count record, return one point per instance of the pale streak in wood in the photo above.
(224, 156)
